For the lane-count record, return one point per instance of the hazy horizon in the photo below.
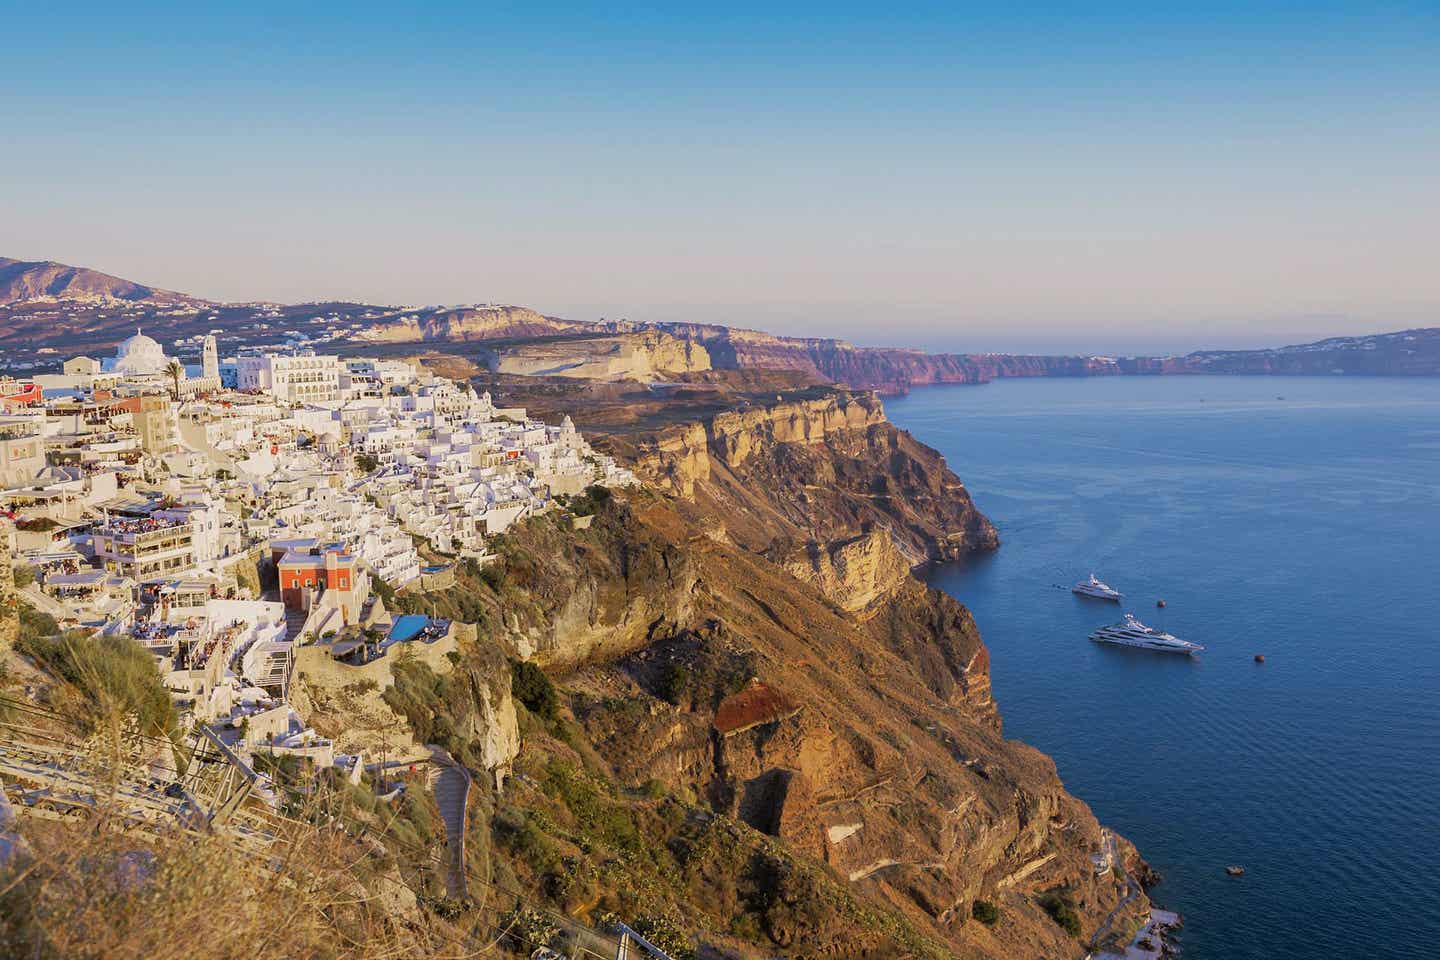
(1124, 180)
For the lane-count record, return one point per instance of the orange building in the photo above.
(304, 576)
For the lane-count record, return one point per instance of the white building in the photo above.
(300, 377)
(139, 356)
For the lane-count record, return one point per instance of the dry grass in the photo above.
(90, 890)
(101, 887)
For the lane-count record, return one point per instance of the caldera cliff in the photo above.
(769, 732)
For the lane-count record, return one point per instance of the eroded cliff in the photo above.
(858, 756)
(634, 356)
(817, 469)
(814, 726)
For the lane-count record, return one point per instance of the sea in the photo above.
(1295, 518)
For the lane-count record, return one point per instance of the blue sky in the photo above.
(1105, 177)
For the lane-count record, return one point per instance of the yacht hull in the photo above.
(1114, 597)
(1153, 648)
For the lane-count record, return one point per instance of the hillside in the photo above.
(741, 724)
(22, 280)
(747, 636)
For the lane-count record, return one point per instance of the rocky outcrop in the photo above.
(855, 573)
(883, 369)
(604, 592)
(493, 728)
(637, 356)
(469, 323)
(870, 743)
(823, 468)
(348, 702)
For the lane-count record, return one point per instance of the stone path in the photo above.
(1132, 887)
(451, 787)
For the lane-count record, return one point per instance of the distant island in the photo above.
(49, 311)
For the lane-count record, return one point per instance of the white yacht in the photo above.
(1095, 587)
(1133, 633)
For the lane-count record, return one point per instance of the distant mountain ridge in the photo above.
(23, 280)
(47, 303)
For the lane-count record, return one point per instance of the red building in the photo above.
(305, 576)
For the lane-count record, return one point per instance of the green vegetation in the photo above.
(530, 685)
(667, 934)
(597, 814)
(366, 463)
(986, 912)
(430, 702)
(36, 623)
(590, 501)
(1062, 910)
(383, 590)
(110, 673)
(675, 683)
(24, 576)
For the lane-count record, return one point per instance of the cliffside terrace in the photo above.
(146, 548)
(142, 531)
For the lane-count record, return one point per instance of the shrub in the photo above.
(419, 694)
(24, 576)
(591, 501)
(986, 912)
(1062, 911)
(533, 688)
(676, 683)
(667, 934)
(35, 624)
(109, 672)
(492, 576)
(366, 463)
(383, 590)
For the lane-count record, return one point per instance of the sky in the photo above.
(1109, 178)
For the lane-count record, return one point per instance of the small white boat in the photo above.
(1133, 633)
(1097, 588)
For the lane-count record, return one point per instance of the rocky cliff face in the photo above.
(636, 356)
(470, 323)
(601, 594)
(353, 705)
(855, 574)
(871, 744)
(745, 634)
(817, 470)
(885, 370)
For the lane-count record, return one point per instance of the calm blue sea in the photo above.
(1294, 517)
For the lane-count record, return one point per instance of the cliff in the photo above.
(464, 324)
(855, 574)
(860, 796)
(816, 470)
(71, 310)
(636, 356)
(1406, 353)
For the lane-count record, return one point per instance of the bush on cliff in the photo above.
(1062, 910)
(530, 685)
(986, 912)
(106, 673)
(591, 501)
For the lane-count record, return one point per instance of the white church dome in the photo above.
(140, 355)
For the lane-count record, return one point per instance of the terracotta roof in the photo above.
(758, 703)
